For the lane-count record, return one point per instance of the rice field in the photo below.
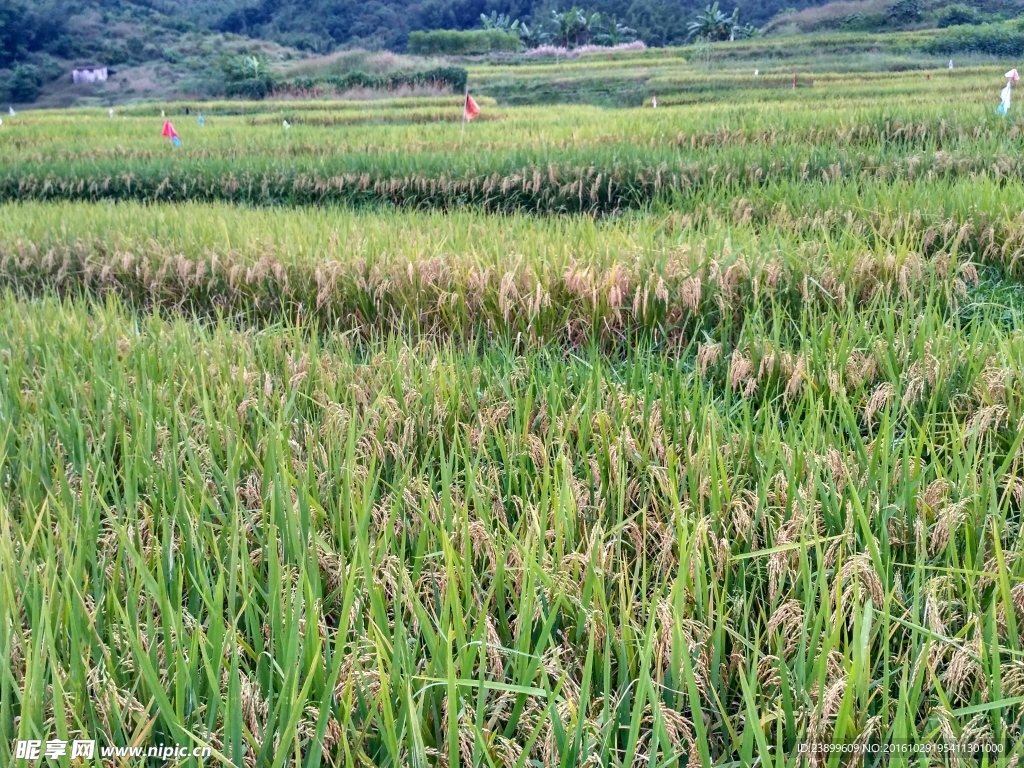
(679, 437)
(747, 134)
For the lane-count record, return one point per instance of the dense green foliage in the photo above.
(993, 39)
(452, 78)
(711, 25)
(249, 77)
(450, 41)
(957, 15)
(29, 27)
(135, 31)
(24, 83)
(389, 22)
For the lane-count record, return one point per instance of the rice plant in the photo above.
(680, 437)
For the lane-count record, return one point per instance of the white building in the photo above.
(89, 74)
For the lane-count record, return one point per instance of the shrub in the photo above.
(452, 77)
(991, 39)
(115, 53)
(25, 83)
(957, 15)
(49, 68)
(848, 15)
(455, 77)
(864, 22)
(136, 48)
(248, 77)
(255, 88)
(456, 42)
(905, 11)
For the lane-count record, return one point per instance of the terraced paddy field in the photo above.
(687, 436)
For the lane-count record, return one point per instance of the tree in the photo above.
(657, 22)
(501, 22)
(957, 15)
(905, 11)
(575, 27)
(27, 28)
(711, 25)
(25, 83)
(614, 33)
(247, 76)
(534, 36)
(744, 31)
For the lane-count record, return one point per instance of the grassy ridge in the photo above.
(629, 79)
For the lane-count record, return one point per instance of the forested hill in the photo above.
(107, 30)
(28, 26)
(387, 23)
(320, 25)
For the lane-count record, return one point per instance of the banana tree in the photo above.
(499, 21)
(614, 33)
(533, 37)
(712, 25)
(573, 27)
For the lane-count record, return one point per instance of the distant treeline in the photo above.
(321, 25)
(991, 39)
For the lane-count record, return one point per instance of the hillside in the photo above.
(120, 31)
(889, 15)
(321, 25)
(387, 23)
(151, 53)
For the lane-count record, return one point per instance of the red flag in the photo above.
(472, 110)
(169, 131)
